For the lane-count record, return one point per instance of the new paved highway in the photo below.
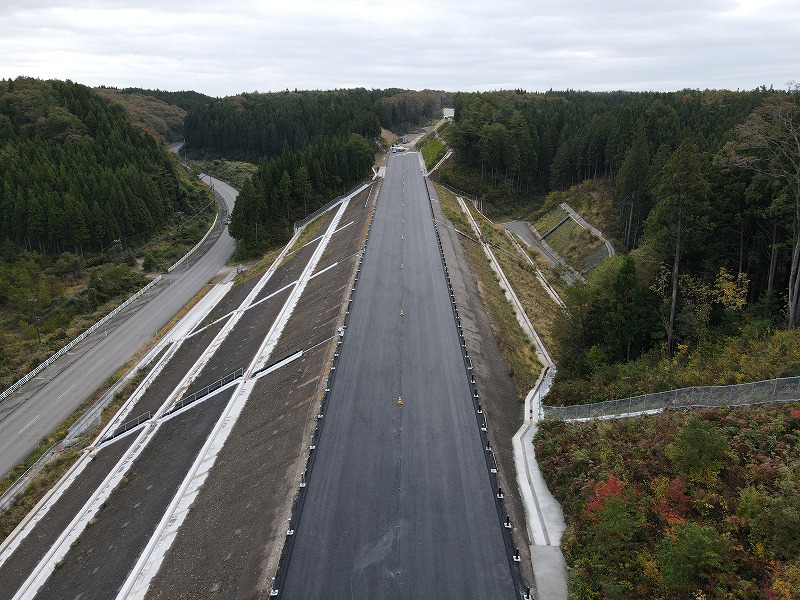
(39, 407)
(399, 502)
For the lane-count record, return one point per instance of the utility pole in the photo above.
(36, 320)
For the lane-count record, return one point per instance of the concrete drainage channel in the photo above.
(545, 519)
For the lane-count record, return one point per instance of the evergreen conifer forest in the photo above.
(698, 191)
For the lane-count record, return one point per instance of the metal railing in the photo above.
(212, 387)
(77, 340)
(22, 481)
(786, 389)
(127, 426)
(471, 197)
(183, 258)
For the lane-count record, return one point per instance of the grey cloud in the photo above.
(225, 48)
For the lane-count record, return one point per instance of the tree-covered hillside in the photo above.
(155, 116)
(87, 202)
(76, 174)
(185, 100)
(706, 189)
(255, 126)
(311, 146)
(515, 144)
(293, 185)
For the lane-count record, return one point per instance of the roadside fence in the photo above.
(183, 258)
(22, 481)
(471, 197)
(786, 389)
(126, 426)
(78, 340)
(212, 387)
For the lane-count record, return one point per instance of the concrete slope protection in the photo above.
(41, 405)
(399, 504)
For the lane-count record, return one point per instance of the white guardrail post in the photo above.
(18, 384)
(77, 340)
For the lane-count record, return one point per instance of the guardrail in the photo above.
(8, 496)
(472, 197)
(127, 426)
(77, 340)
(183, 258)
(786, 389)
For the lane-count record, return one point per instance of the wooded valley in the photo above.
(702, 197)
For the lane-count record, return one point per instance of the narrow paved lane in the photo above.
(399, 504)
(42, 405)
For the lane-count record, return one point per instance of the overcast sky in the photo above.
(226, 47)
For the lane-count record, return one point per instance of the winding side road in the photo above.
(42, 405)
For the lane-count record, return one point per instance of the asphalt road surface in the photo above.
(522, 229)
(39, 407)
(399, 503)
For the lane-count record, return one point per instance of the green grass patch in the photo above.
(519, 352)
(233, 172)
(550, 219)
(433, 151)
(575, 245)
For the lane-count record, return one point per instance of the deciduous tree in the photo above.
(769, 143)
(681, 215)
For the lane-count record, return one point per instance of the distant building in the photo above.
(449, 113)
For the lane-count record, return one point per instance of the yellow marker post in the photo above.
(399, 401)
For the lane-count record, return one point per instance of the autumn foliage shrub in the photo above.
(724, 360)
(680, 505)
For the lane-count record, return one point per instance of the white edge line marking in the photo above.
(29, 424)
(65, 391)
